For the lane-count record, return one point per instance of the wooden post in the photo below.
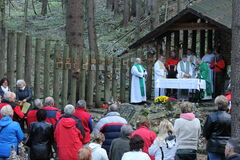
(168, 45)
(108, 78)
(3, 52)
(210, 39)
(21, 44)
(83, 76)
(122, 81)
(37, 68)
(131, 61)
(11, 52)
(47, 68)
(202, 43)
(149, 65)
(185, 41)
(74, 67)
(99, 69)
(176, 42)
(114, 79)
(91, 80)
(194, 41)
(58, 64)
(28, 61)
(66, 67)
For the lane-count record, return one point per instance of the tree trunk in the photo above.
(93, 48)
(155, 14)
(74, 23)
(26, 12)
(110, 4)
(116, 8)
(235, 71)
(126, 13)
(44, 7)
(2, 39)
(133, 8)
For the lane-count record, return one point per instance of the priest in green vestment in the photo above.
(203, 73)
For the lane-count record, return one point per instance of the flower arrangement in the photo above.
(161, 100)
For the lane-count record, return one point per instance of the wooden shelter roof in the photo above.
(216, 14)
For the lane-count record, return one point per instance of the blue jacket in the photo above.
(110, 126)
(10, 134)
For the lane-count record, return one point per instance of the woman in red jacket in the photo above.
(147, 135)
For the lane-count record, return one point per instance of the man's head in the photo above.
(81, 104)
(161, 57)
(41, 115)
(210, 50)
(10, 96)
(69, 109)
(232, 147)
(189, 52)
(113, 108)
(138, 61)
(6, 111)
(38, 103)
(144, 122)
(221, 102)
(199, 60)
(126, 130)
(173, 54)
(49, 101)
(184, 57)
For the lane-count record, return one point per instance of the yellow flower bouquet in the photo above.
(161, 100)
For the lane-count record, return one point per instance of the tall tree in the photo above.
(235, 71)
(93, 48)
(74, 23)
(44, 7)
(155, 14)
(126, 13)
(2, 37)
(133, 8)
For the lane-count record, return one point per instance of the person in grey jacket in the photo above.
(120, 145)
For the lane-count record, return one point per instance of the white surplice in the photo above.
(193, 61)
(136, 96)
(159, 73)
(180, 71)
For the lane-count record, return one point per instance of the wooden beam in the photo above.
(191, 26)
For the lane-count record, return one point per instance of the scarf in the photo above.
(5, 89)
(141, 80)
(183, 69)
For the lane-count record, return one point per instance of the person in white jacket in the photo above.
(164, 146)
(98, 153)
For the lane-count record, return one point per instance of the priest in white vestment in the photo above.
(138, 86)
(184, 68)
(160, 72)
(209, 57)
(193, 61)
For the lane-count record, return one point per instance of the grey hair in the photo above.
(8, 95)
(81, 104)
(7, 111)
(137, 60)
(49, 101)
(221, 102)
(69, 109)
(126, 130)
(21, 81)
(113, 108)
(38, 103)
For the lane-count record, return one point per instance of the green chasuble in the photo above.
(204, 74)
(141, 80)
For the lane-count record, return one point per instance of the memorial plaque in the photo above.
(93, 67)
(127, 111)
(109, 68)
(101, 67)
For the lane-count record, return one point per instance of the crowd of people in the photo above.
(72, 135)
(211, 68)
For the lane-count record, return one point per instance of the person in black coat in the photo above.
(40, 138)
(217, 129)
(232, 149)
(4, 86)
(24, 92)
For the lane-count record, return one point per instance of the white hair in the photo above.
(138, 60)
(81, 104)
(21, 81)
(69, 109)
(8, 95)
(38, 103)
(7, 111)
(49, 101)
(126, 130)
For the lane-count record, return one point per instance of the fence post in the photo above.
(82, 81)
(66, 67)
(38, 48)
(123, 81)
(28, 61)
(47, 68)
(108, 77)
(91, 81)
(57, 68)
(11, 52)
(114, 79)
(21, 44)
(75, 64)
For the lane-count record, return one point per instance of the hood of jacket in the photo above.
(68, 122)
(5, 121)
(94, 146)
(188, 116)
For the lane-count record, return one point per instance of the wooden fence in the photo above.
(51, 68)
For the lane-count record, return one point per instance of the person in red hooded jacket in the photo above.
(53, 114)
(69, 135)
(32, 114)
(86, 118)
(147, 135)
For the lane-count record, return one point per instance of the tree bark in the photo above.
(133, 8)
(74, 23)
(155, 14)
(44, 7)
(2, 39)
(235, 70)
(126, 13)
(116, 7)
